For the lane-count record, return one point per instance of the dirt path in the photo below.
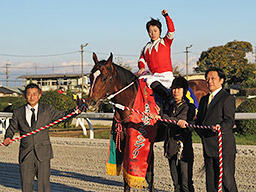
(79, 165)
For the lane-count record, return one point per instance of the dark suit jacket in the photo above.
(40, 141)
(221, 111)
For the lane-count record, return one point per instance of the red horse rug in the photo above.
(140, 136)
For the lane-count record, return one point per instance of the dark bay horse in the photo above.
(199, 88)
(107, 78)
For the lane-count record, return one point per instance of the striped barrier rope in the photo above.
(220, 160)
(44, 127)
(119, 106)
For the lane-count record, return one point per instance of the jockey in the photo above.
(156, 54)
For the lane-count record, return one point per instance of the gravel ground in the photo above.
(79, 165)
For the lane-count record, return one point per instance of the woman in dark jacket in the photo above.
(178, 141)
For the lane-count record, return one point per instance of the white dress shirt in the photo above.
(29, 113)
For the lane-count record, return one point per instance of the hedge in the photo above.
(247, 127)
(59, 101)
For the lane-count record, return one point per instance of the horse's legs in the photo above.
(150, 174)
(126, 186)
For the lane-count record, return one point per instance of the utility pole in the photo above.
(82, 64)
(35, 68)
(7, 73)
(187, 60)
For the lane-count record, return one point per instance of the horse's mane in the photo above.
(125, 76)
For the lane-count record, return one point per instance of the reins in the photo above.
(111, 96)
(120, 91)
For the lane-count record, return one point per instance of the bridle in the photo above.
(108, 96)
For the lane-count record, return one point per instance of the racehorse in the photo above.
(199, 88)
(107, 78)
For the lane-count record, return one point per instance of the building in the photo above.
(191, 76)
(195, 76)
(49, 82)
(6, 91)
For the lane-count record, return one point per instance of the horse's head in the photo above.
(101, 79)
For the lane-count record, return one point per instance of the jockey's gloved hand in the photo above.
(81, 104)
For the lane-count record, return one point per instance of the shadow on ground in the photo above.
(10, 178)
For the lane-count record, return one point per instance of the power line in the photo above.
(116, 54)
(129, 55)
(47, 55)
(11, 80)
(73, 52)
(67, 53)
(45, 67)
(175, 53)
(194, 53)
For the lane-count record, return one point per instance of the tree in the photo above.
(231, 58)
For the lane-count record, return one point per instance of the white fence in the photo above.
(80, 120)
(5, 120)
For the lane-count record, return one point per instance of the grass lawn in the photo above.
(240, 139)
(5, 100)
(245, 140)
(102, 132)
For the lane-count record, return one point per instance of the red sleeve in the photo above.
(141, 62)
(170, 33)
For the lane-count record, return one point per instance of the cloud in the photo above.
(70, 63)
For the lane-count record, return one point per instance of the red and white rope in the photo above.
(119, 106)
(220, 160)
(44, 127)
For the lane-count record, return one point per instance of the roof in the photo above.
(10, 90)
(49, 76)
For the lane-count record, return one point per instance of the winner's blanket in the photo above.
(139, 141)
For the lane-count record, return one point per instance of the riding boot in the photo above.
(165, 94)
(161, 90)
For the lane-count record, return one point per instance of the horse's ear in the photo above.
(109, 61)
(95, 58)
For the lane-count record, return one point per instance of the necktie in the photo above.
(210, 98)
(33, 117)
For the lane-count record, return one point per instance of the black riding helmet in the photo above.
(180, 82)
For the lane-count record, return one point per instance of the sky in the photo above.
(44, 36)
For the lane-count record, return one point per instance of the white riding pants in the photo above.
(164, 78)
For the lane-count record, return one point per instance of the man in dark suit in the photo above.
(217, 109)
(35, 150)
